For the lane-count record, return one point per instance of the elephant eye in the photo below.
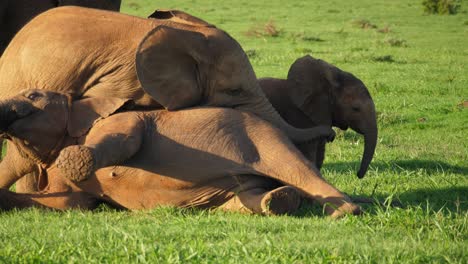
(33, 95)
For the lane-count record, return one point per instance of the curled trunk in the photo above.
(370, 142)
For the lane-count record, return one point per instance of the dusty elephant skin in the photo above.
(172, 61)
(317, 93)
(14, 14)
(189, 158)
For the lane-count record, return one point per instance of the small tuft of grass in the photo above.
(363, 23)
(389, 118)
(441, 7)
(271, 30)
(251, 53)
(395, 42)
(451, 78)
(422, 120)
(134, 5)
(312, 39)
(267, 30)
(303, 50)
(384, 58)
(381, 86)
(301, 36)
(384, 30)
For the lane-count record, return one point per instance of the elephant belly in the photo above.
(135, 188)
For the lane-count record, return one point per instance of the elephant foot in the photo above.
(76, 163)
(346, 209)
(283, 200)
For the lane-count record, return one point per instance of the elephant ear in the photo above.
(179, 17)
(85, 112)
(167, 65)
(312, 83)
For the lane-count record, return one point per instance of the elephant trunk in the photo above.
(370, 142)
(265, 110)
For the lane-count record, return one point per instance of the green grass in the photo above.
(415, 66)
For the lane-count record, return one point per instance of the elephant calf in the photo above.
(318, 93)
(89, 152)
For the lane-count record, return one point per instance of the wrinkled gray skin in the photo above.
(199, 157)
(14, 14)
(172, 61)
(317, 93)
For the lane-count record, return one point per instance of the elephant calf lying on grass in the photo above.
(201, 157)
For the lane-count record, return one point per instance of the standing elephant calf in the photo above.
(317, 93)
(201, 157)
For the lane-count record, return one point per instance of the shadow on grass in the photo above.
(429, 166)
(371, 206)
(444, 200)
(448, 199)
(453, 199)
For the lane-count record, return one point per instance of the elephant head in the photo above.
(39, 122)
(190, 64)
(328, 95)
